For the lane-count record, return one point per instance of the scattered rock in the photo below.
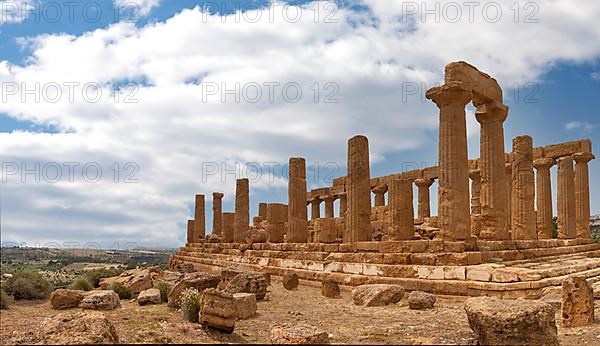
(248, 282)
(419, 300)
(298, 334)
(88, 327)
(577, 304)
(100, 300)
(256, 236)
(245, 305)
(135, 280)
(290, 281)
(149, 296)
(217, 310)
(170, 277)
(197, 280)
(330, 289)
(511, 322)
(65, 299)
(377, 294)
(213, 238)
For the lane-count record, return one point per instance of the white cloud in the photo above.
(12, 11)
(595, 76)
(171, 132)
(574, 125)
(137, 8)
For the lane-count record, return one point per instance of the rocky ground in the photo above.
(446, 323)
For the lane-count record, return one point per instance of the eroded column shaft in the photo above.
(523, 190)
(297, 213)
(199, 219)
(543, 197)
(358, 215)
(566, 199)
(423, 203)
(217, 224)
(242, 210)
(401, 210)
(582, 194)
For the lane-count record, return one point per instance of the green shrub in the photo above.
(94, 276)
(121, 290)
(28, 285)
(190, 304)
(5, 300)
(81, 284)
(164, 289)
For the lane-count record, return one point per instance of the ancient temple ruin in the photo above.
(493, 234)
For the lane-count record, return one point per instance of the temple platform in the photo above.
(504, 269)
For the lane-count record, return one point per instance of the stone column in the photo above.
(190, 231)
(358, 215)
(242, 210)
(228, 226)
(262, 211)
(297, 213)
(277, 215)
(543, 197)
(582, 194)
(508, 180)
(423, 203)
(217, 224)
(401, 210)
(493, 198)
(343, 204)
(523, 190)
(475, 192)
(566, 199)
(379, 192)
(453, 192)
(315, 211)
(199, 219)
(329, 207)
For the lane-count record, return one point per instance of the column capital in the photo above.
(315, 199)
(449, 93)
(381, 188)
(583, 157)
(218, 195)
(544, 163)
(508, 167)
(491, 111)
(475, 174)
(328, 198)
(423, 182)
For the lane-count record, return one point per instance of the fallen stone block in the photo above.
(511, 322)
(330, 289)
(65, 299)
(149, 296)
(290, 281)
(419, 300)
(100, 300)
(217, 310)
(577, 303)
(248, 282)
(87, 327)
(377, 295)
(299, 334)
(245, 305)
(198, 280)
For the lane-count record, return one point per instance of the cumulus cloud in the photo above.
(575, 125)
(12, 11)
(180, 97)
(138, 8)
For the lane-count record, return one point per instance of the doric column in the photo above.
(358, 215)
(297, 213)
(582, 194)
(566, 199)
(343, 204)
(508, 180)
(199, 219)
(475, 192)
(262, 211)
(190, 231)
(491, 117)
(401, 210)
(315, 211)
(277, 215)
(228, 226)
(328, 207)
(423, 203)
(453, 192)
(217, 224)
(523, 189)
(379, 192)
(242, 210)
(543, 197)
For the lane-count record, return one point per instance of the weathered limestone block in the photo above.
(298, 334)
(328, 231)
(523, 189)
(200, 281)
(330, 289)
(263, 210)
(248, 282)
(149, 296)
(377, 295)
(358, 187)
(401, 210)
(217, 310)
(577, 304)
(566, 199)
(213, 238)
(245, 305)
(241, 221)
(297, 213)
(65, 299)
(76, 328)
(184, 268)
(100, 300)
(277, 215)
(228, 226)
(256, 236)
(135, 280)
(290, 281)
(511, 322)
(419, 300)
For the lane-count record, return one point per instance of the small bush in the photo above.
(190, 304)
(94, 276)
(164, 289)
(121, 290)
(81, 284)
(5, 300)
(28, 285)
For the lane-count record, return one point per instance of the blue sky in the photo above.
(361, 55)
